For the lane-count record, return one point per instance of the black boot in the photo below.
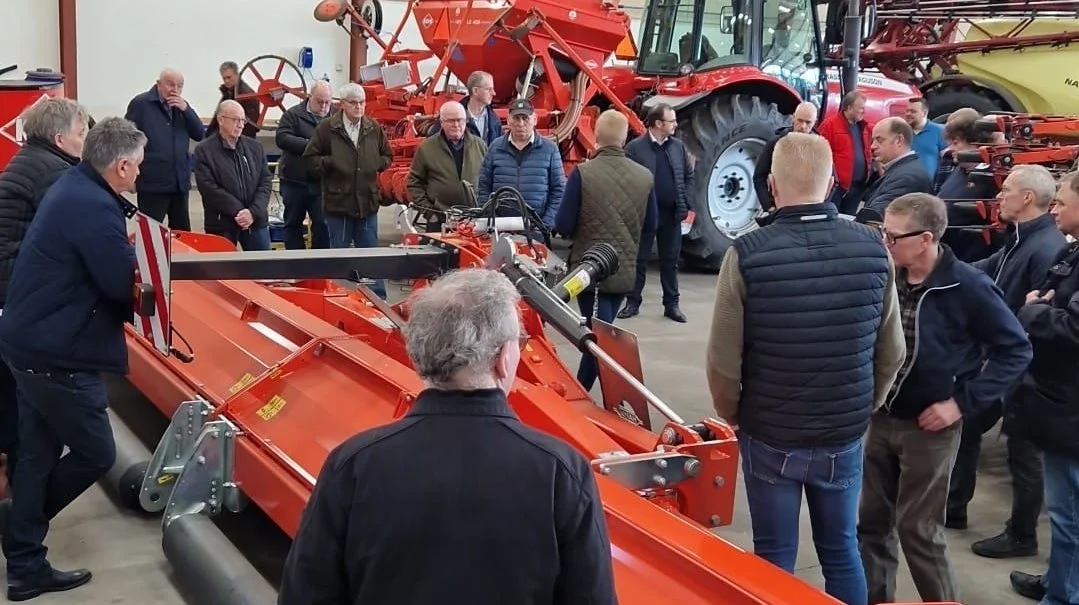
(1005, 546)
(1027, 585)
(674, 313)
(631, 309)
(51, 581)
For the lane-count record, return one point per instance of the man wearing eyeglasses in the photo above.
(965, 350)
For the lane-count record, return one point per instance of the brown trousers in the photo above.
(904, 496)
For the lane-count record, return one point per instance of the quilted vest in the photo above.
(814, 287)
(614, 199)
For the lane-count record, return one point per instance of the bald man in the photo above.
(441, 165)
(170, 124)
(234, 181)
(803, 120)
(900, 171)
(300, 188)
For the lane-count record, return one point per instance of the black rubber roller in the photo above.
(124, 479)
(209, 567)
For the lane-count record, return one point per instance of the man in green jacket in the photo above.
(442, 164)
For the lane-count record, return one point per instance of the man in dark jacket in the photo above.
(234, 182)
(231, 87)
(965, 350)
(299, 186)
(609, 199)
(901, 172)
(969, 182)
(482, 119)
(518, 520)
(668, 161)
(170, 124)
(55, 132)
(802, 401)
(1021, 266)
(443, 164)
(348, 151)
(526, 161)
(1044, 409)
(62, 326)
(803, 120)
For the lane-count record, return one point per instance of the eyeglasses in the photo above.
(891, 239)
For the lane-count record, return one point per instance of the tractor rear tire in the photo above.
(943, 101)
(725, 134)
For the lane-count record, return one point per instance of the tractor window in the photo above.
(791, 49)
(701, 35)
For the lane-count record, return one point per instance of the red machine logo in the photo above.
(13, 130)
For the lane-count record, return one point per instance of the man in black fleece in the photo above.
(55, 131)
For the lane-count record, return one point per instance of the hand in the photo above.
(1034, 296)
(178, 102)
(244, 219)
(940, 415)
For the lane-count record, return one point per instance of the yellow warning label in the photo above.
(245, 380)
(271, 408)
(166, 479)
(576, 284)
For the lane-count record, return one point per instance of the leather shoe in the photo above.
(629, 311)
(51, 581)
(674, 313)
(1027, 585)
(1005, 546)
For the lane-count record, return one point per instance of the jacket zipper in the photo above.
(1004, 259)
(917, 341)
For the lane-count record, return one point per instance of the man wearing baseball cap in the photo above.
(529, 163)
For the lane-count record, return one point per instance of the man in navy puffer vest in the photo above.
(806, 341)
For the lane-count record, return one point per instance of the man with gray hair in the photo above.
(55, 131)
(442, 165)
(1032, 246)
(461, 469)
(62, 327)
(300, 186)
(348, 151)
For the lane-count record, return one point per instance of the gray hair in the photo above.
(229, 66)
(927, 212)
(451, 107)
(477, 78)
(320, 83)
(110, 140)
(458, 325)
(51, 117)
(352, 91)
(1038, 180)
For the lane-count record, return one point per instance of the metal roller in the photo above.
(209, 567)
(124, 479)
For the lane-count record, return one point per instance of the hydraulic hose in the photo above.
(598, 263)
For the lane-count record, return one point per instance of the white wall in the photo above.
(31, 37)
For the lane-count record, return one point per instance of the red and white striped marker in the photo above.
(153, 252)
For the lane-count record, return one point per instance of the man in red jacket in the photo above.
(848, 135)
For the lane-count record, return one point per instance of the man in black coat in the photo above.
(234, 182)
(55, 131)
(301, 188)
(1033, 242)
(803, 120)
(668, 161)
(518, 520)
(900, 171)
(231, 87)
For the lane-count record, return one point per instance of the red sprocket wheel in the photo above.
(274, 79)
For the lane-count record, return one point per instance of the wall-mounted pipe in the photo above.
(69, 48)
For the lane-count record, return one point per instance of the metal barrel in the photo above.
(124, 479)
(209, 567)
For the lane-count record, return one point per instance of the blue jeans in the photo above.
(1061, 578)
(831, 478)
(302, 200)
(56, 408)
(347, 231)
(605, 307)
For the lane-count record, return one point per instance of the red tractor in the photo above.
(733, 69)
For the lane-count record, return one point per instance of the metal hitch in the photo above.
(172, 453)
(206, 483)
(651, 470)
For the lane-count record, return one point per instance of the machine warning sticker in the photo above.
(576, 284)
(245, 380)
(271, 408)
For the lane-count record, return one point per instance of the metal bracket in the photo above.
(206, 484)
(172, 453)
(652, 470)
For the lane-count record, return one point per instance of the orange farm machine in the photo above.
(733, 70)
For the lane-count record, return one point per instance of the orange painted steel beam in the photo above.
(301, 367)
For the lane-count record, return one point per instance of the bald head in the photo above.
(801, 170)
(451, 109)
(230, 120)
(320, 98)
(804, 118)
(170, 83)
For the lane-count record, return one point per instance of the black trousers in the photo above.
(668, 239)
(9, 420)
(605, 307)
(303, 200)
(173, 206)
(1024, 464)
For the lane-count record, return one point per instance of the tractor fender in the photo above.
(978, 84)
(681, 93)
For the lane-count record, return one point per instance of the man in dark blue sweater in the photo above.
(69, 297)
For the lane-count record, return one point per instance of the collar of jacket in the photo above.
(224, 144)
(798, 213)
(610, 150)
(450, 145)
(53, 149)
(127, 208)
(943, 275)
(478, 402)
(337, 122)
(1024, 230)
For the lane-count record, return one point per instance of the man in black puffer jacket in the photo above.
(55, 131)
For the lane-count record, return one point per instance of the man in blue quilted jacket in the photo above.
(529, 163)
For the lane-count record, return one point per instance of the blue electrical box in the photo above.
(307, 57)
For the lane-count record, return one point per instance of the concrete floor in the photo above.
(125, 555)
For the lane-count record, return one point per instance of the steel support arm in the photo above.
(406, 262)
